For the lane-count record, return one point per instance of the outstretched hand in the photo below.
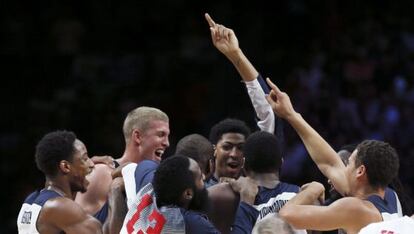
(223, 38)
(280, 101)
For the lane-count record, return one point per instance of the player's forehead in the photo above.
(79, 147)
(232, 138)
(158, 125)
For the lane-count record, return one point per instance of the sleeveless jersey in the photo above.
(102, 214)
(136, 176)
(389, 207)
(144, 216)
(29, 213)
(268, 202)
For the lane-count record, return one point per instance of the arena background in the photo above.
(82, 65)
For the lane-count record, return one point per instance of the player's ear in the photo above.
(136, 136)
(64, 166)
(188, 194)
(215, 151)
(361, 171)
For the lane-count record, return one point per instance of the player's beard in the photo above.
(80, 184)
(199, 201)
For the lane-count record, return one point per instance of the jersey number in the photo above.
(154, 217)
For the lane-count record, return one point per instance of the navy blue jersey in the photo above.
(136, 176)
(102, 214)
(196, 222)
(144, 173)
(389, 207)
(32, 197)
(144, 215)
(268, 201)
(27, 218)
(210, 182)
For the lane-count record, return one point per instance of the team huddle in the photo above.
(228, 183)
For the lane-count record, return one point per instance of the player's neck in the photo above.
(267, 180)
(131, 154)
(60, 188)
(367, 191)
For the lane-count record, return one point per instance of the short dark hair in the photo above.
(171, 178)
(380, 160)
(53, 148)
(350, 147)
(228, 126)
(197, 147)
(346, 151)
(262, 152)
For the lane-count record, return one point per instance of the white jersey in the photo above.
(404, 225)
(29, 213)
(143, 214)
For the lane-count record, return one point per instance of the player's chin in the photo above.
(84, 186)
(83, 190)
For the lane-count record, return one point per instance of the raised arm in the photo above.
(225, 40)
(320, 151)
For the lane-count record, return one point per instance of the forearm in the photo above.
(321, 152)
(257, 96)
(307, 196)
(117, 211)
(242, 65)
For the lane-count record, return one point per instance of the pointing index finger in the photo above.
(273, 86)
(210, 21)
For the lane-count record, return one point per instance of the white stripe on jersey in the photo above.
(280, 197)
(128, 173)
(274, 205)
(26, 221)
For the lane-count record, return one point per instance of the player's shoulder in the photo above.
(354, 204)
(351, 203)
(62, 208)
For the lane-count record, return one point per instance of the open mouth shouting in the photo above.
(158, 154)
(233, 168)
